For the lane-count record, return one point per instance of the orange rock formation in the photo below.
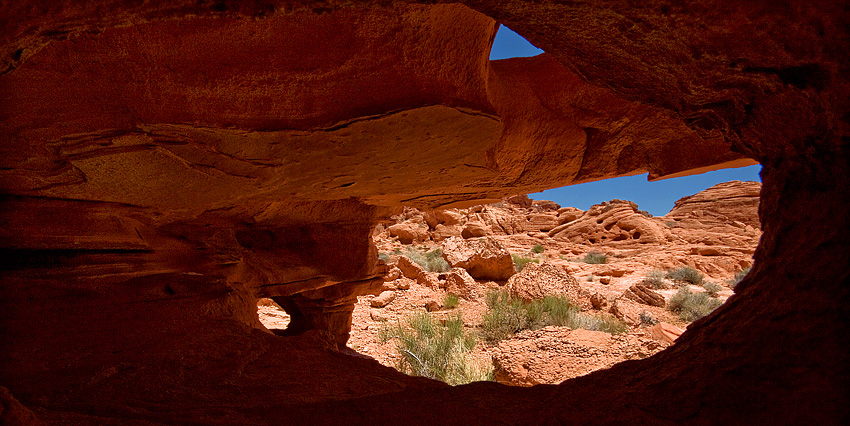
(164, 164)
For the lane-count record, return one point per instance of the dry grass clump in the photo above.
(712, 288)
(595, 258)
(507, 315)
(434, 350)
(431, 261)
(732, 282)
(655, 279)
(692, 306)
(686, 274)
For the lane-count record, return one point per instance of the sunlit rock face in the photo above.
(164, 164)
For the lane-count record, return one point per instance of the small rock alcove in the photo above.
(143, 142)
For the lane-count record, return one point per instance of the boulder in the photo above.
(643, 294)
(441, 232)
(442, 217)
(598, 301)
(538, 280)
(459, 282)
(545, 205)
(409, 232)
(483, 258)
(412, 270)
(665, 332)
(568, 214)
(409, 268)
(520, 200)
(473, 229)
(383, 299)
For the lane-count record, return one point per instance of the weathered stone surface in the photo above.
(249, 164)
(538, 280)
(383, 299)
(612, 221)
(665, 332)
(459, 282)
(484, 258)
(475, 229)
(409, 232)
(721, 205)
(643, 294)
(554, 354)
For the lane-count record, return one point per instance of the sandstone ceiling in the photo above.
(164, 163)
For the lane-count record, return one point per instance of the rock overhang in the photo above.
(92, 98)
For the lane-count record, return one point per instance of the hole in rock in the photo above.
(496, 313)
(273, 317)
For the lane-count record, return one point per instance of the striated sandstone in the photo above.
(198, 160)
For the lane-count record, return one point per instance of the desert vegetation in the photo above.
(655, 279)
(686, 274)
(450, 301)
(439, 351)
(692, 306)
(520, 261)
(733, 282)
(595, 258)
(507, 315)
(431, 261)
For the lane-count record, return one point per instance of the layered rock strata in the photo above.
(164, 164)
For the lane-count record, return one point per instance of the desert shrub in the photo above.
(431, 261)
(595, 258)
(686, 274)
(655, 279)
(712, 288)
(507, 315)
(590, 278)
(647, 319)
(692, 306)
(732, 282)
(537, 249)
(450, 301)
(385, 257)
(521, 261)
(434, 350)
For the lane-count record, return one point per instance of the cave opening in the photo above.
(635, 280)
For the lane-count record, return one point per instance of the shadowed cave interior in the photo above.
(165, 165)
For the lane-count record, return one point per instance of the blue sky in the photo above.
(655, 197)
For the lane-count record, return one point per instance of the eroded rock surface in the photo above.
(164, 164)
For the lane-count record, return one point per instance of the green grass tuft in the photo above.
(434, 350)
(521, 261)
(450, 301)
(537, 249)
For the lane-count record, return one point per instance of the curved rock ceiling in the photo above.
(163, 164)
